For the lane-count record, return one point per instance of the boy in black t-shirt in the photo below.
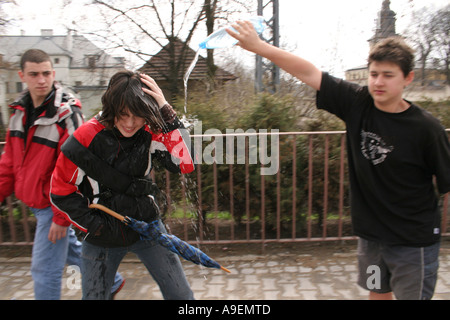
(395, 149)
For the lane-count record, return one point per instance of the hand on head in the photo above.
(154, 91)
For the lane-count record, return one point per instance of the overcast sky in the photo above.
(332, 34)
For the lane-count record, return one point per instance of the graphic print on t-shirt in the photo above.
(374, 148)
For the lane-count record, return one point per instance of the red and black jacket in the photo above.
(99, 165)
(33, 145)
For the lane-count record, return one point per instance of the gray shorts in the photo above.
(409, 272)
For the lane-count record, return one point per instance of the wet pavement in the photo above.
(320, 273)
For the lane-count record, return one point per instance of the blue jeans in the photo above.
(49, 259)
(100, 264)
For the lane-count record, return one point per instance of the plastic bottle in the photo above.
(218, 39)
(221, 39)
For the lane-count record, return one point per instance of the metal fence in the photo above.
(230, 201)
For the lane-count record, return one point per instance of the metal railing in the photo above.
(307, 199)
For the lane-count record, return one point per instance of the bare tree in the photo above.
(220, 10)
(4, 19)
(442, 36)
(421, 35)
(429, 34)
(143, 28)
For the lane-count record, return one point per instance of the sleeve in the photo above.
(173, 149)
(68, 203)
(338, 96)
(6, 170)
(438, 156)
(71, 124)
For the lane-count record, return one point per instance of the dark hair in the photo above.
(395, 50)
(35, 56)
(125, 92)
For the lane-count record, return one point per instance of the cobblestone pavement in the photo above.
(318, 274)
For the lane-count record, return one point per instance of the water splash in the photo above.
(186, 77)
(216, 40)
(189, 123)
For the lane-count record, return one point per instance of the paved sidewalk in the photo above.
(318, 274)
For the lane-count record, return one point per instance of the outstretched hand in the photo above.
(155, 91)
(246, 35)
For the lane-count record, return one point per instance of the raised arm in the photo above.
(300, 68)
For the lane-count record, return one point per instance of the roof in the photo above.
(362, 67)
(158, 66)
(76, 47)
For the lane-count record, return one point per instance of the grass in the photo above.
(226, 215)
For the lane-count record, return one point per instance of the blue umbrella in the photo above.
(152, 231)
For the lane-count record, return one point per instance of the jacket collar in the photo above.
(54, 103)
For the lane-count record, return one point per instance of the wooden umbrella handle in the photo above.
(225, 269)
(107, 210)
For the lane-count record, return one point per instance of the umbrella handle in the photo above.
(107, 210)
(225, 269)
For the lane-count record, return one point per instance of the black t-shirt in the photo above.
(392, 160)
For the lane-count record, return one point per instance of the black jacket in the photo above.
(101, 166)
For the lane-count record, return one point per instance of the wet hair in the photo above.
(125, 92)
(35, 56)
(395, 50)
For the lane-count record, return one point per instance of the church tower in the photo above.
(385, 24)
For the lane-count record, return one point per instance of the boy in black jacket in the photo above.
(108, 161)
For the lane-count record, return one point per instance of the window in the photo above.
(56, 60)
(19, 86)
(91, 60)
